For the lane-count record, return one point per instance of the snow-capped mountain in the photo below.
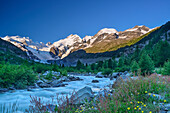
(62, 48)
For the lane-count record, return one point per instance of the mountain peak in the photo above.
(72, 36)
(108, 30)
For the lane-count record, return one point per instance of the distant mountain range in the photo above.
(89, 49)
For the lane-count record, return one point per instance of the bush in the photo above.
(49, 76)
(107, 71)
(64, 72)
(122, 69)
(40, 68)
(10, 74)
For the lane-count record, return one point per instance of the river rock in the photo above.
(95, 81)
(99, 75)
(3, 90)
(45, 80)
(64, 79)
(72, 78)
(55, 82)
(60, 85)
(52, 72)
(156, 96)
(119, 80)
(12, 88)
(44, 85)
(81, 95)
(39, 82)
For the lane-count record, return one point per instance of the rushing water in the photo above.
(23, 96)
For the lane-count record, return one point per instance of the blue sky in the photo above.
(52, 20)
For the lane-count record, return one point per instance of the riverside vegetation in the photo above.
(134, 95)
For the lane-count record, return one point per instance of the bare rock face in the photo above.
(54, 51)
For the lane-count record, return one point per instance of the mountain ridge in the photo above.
(62, 48)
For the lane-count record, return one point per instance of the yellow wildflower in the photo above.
(135, 108)
(131, 102)
(142, 111)
(149, 93)
(150, 112)
(154, 95)
(164, 100)
(128, 108)
(92, 107)
(144, 105)
(138, 102)
(146, 92)
(139, 108)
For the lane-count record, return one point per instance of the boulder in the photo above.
(64, 79)
(44, 80)
(54, 77)
(99, 75)
(44, 85)
(128, 74)
(72, 78)
(60, 85)
(52, 72)
(125, 72)
(159, 97)
(120, 79)
(95, 81)
(3, 90)
(81, 95)
(39, 82)
(114, 75)
(12, 88)
(55, 82)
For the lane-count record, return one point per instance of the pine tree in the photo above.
(121, 62)
(114, 64)
(93, 67)
(63, 65)
(100, 64)
(135, 66)
(79, 65)
(105, 64)
(166, 68)
(161, 53)
(110, 63)
(146, 64)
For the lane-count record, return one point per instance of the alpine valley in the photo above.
(110, 72)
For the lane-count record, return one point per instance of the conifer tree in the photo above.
(121, 62)
(100, 64)
(135, 66)
(110, 63)
(79, 64)
(146, 64)
(166, 68)
(161, 53)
